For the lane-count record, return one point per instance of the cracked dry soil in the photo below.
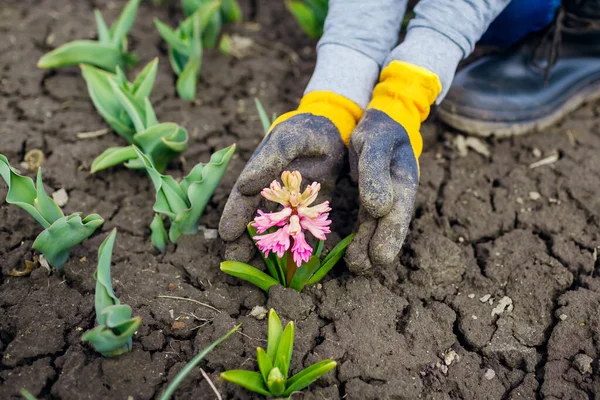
(421, 328)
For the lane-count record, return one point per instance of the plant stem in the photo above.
(291, 268)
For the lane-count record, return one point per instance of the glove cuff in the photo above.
(342, 112)
(405, 93)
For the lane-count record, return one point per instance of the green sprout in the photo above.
(310, 15)
(229, 11)
(61, 233)
(126, 108)
(308, 274)
(108, 52)
(190, 366)
(274, 365)
(185, 47)
(27, 394)
(112, 336)
(262, 114)
(184, 202)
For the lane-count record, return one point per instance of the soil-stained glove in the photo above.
(311, 139)
(384, 153)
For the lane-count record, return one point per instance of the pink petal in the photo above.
(301, 250)
(318, 226)
(314, 211)
(276, 193)
(267, 220)
(310, 194)
(277, 242)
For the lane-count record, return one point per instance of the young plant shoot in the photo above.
(280, 236)
(310, 15)
(229, 11)
(126, 108)
(183, 202)
(108, 52)
(112, 336)
(192, 364)
(61, 233)
(185, 47)
(274, 365)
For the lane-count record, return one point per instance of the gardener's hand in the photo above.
(384, 152)
(310, 140)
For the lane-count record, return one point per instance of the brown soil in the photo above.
(417, 329)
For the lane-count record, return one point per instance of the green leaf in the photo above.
(264, 119)
(305, 272)
(133, 109)
(105, 101)
(250, 380)
(306, 18)
(162, 143)
(188, 79)
(103, 35)
(248, 273)
(21, 191)
(113, 335)
(46, 206)
(307, 376)
(78, 52)
(283, 356)
(193, 362)
(144, 82)
(111, 157)
(190, 6)
(231, 11)
(26, 394)
(264, 362)
(151, 119)
(319, 249)
(171, 37)
(159, 235)
(276, 382)
(275, 329)
(65, 233)
(123, 24)
(332, 258)
(210, 33)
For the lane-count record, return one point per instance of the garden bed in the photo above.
(487, 231)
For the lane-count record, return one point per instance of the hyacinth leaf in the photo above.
(274, 268)
(304, 273)
(262, 114)
(111, 157)
(172, 38)
(115, 327)
(103, 31)
(27, 395)
(264, 362)
(276, 382)
(248, 273)
(159, 234)
(119, 30)
(231, 11)
(307, 376)
(134, 109)
(250, 380)
(188, 79)
(105, 101)
(23, 193)
(162, 143)
(283, 356)
(331, 260)
(56, 241)
(192, 364)
(144, 82)
(274, 332)
(151, 119)
(210, 33)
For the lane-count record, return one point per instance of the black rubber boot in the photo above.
(535, 83)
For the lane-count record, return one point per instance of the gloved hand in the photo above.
(384, 152)
(311, 140)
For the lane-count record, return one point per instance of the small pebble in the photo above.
(177, 325)
(537, 153)
(534, 196)
(450, 357)
(474, 316)
(471, 295)
(461, 239)
(583, 363)
(171, 287)
(562, 317)
(505, 304)
(60, 197)
(489, 374)
(258, 312)
(485, 298)
(519, 200)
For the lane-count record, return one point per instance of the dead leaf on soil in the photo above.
(34, 159)
(29, 266)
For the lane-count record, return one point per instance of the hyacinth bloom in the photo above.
(296, 217)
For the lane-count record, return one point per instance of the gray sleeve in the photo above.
(444, 32)
(357, 38)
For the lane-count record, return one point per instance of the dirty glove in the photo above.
(311, 140)
(384, 152)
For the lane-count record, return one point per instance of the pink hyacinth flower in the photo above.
(297, 215)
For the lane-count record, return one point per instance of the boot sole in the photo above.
(507, 129)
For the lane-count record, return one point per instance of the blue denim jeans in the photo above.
(518, 19)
